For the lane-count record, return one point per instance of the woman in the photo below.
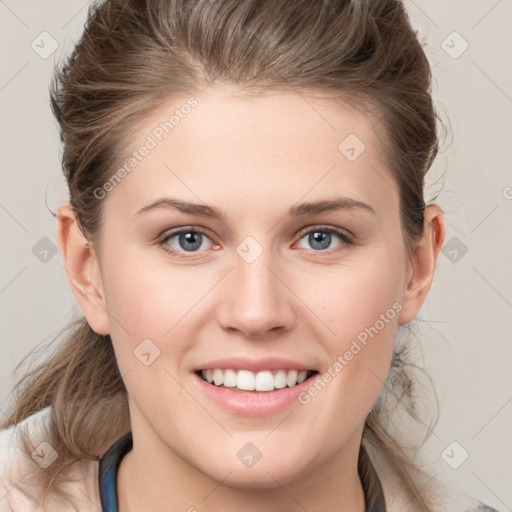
(246, 234)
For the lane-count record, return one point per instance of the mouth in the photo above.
(264, 381)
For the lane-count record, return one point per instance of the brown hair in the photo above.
(135, 53)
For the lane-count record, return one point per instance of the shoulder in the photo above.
(19, 471)
(459, 500)
(481, 507)
(443, 495)
(451, 498)
(15, 465)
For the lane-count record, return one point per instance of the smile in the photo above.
(249, 386)
(246, 380)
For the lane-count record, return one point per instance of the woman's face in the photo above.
(268, 286)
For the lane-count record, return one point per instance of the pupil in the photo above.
(319, 237)
(188, 238)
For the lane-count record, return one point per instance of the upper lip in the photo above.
(255, 365)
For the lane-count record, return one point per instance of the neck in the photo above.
(152, 477)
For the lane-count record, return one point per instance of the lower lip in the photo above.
(252, 403)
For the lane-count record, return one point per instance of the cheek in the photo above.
(360, 304)
(353, 378)
(148, 300)
(147, 305)
(353, 297)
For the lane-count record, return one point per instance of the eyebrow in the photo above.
(202, 210)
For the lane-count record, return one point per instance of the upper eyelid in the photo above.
(325, 227)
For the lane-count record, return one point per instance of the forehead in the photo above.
(265, 149)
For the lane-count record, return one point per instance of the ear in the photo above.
(82, 268)
(423, 260)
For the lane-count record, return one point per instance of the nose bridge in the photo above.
(256, 300)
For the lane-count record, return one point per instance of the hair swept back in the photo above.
(135, 53)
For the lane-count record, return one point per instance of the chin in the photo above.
(260, 476)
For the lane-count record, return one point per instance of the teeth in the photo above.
(302, 376)
(280, 379)
(291, 378)
(266, 380)
(230, 378)
(218, 377)
(245, 380)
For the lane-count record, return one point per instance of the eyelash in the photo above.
(346, 239)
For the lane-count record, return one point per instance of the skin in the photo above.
(254, 158)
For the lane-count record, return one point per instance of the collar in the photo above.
(109, 464)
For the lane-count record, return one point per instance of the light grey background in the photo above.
(465, 326)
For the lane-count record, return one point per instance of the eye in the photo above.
(187, 240)
(191, 240)
(320, 237)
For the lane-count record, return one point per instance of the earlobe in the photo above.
(82, 269)
(423, 260)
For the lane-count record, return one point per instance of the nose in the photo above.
(256, 298)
